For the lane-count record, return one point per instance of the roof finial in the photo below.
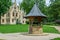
(15, 1)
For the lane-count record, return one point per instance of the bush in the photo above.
(27, 22)
(57, 21)
(50, 23)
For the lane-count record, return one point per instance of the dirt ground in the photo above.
(24, 36)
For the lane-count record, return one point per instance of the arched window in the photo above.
(8, 14)
(14, 7)
(12, 20)
(3, 20)
(8, 20)
(16, 14)
(13, 13)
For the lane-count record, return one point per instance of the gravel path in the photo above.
(57, 27)
(19, 36)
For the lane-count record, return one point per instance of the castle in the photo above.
(14, 15)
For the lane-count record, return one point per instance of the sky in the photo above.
(19, 1)
(47, 2)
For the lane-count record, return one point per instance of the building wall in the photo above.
(13, 16)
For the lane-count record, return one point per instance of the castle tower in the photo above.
(15, 1)
(15, 4)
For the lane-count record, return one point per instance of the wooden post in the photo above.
(31, 23)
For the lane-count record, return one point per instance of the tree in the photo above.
(28, 4)
(41, 5)
(54, 10)
(4, 6)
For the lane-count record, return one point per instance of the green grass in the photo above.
(56, 39)
(48, 29)
(13, 28)
(24, 28)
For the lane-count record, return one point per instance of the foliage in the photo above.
(28, 4)
(57, 21)
(4, 6)
(54, 10)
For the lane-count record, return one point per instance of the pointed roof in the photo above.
(35, 12)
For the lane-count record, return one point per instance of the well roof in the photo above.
(35, 12)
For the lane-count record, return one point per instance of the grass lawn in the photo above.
(24, 28)
(56, 39)
(13, 28)
(48, 29)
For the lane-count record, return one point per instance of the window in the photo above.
(23, 21)
(8, 20)
(13, 13)
(3, 20)
(17, 21)
(14, 7)
(16, 14)
(12, 20)
(8, 14)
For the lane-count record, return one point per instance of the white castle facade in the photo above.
(13, 16)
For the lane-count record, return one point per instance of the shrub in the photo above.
(27, 22)
(57, 21)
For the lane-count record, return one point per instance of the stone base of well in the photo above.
(36, 30)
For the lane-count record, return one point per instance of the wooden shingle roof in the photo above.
(35, 12)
